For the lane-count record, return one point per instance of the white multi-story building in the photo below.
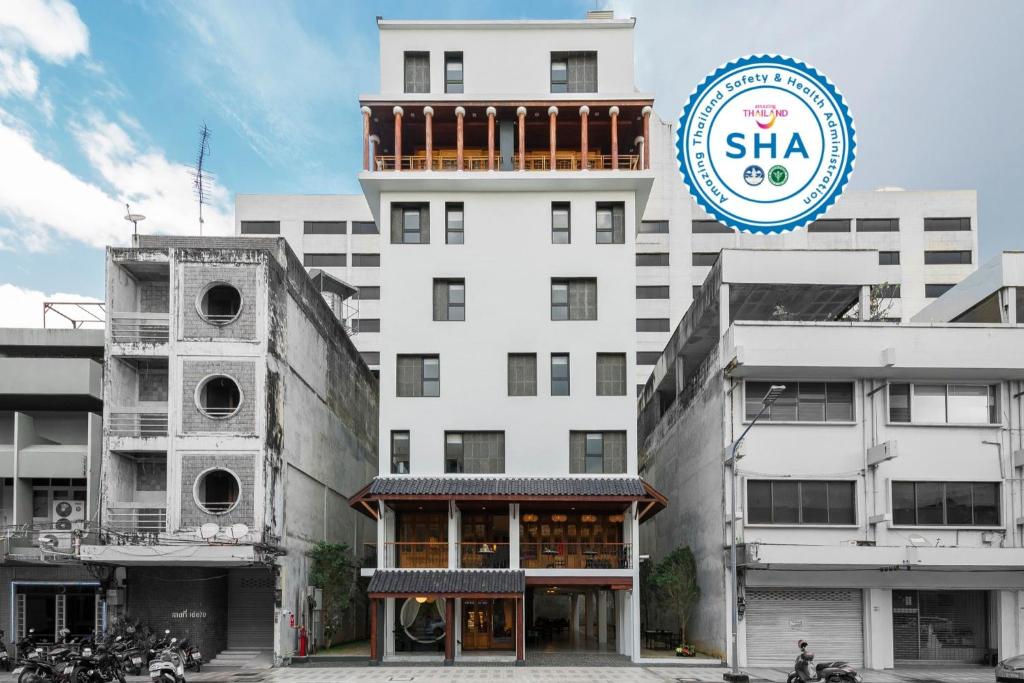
(878, 502)
(498, 196)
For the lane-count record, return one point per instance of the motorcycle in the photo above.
(5, 657)
(193, 657)
(169, 664)
(830, 672)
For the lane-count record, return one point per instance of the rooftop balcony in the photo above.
(507, 136)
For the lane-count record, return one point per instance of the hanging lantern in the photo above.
(588, 519)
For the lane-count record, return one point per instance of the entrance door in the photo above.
(250, 609)
(940, 626)
(488, 624)
(831, 620)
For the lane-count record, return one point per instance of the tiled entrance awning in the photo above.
(447, 582)
(625, 489)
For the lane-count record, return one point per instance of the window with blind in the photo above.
(418, 375)
(366, 260)
(653, 227)
(573, 299)
(934, 291)
(450, 299)
(364, 228)
(522, 374)
(323, 260)
(830, 225)
(323, 227)
(365, 325)
(261, 227)
(369, 293)
(878, 225)
(706, 227)
(410, 223)
(801, 502)
(597, 452)
(932, 258)
(652, 259)
(945, 503)
(453, 82)
(888, 258)
(652, 292)
(944, 403)
(653, 325)
(708, 258)
(559, 374)
(399, 452)
(417, 72)
(611, 374)
(561, 232)
(454, 230)
(474, 452)
(945, 224)
(573, 72)
(802, 401)
(611, 223)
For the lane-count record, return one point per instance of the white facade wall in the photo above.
(507, 262)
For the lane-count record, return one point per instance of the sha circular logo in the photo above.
(766, 117)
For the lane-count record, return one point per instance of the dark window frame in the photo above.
(933, 290)
(311, 260)
(947, 224)
(652, 259)
(948, 257)
(454, 310)
(324, 227)
(878, 225)
(614, 232)
(605, 388)
(567, 379)
(831, 225)
(944, 497)
(508, 374)
(849, 518)
(557, 284)
(995, 418)
(661, 324)
(888, 258)
(359, 260)
(798, 393)
(653, 228)
(557, 208)
(702, 259)
(450, 232)
(452, 85)
(567, 83)
(263, 229)
(710, 227)
(396, 435)
(653, 292)
(414, 86)
(359, 228)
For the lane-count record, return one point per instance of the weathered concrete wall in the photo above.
(685, 464)
(242, 466)
(196, 277)
(244, 374)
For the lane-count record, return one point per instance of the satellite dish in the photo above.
(238, 530)
(133, 218)
(47, 541)
(208, 530)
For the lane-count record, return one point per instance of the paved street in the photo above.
(460, 674)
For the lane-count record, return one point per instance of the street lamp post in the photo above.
(773, 394)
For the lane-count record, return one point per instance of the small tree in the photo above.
(333, 570)
(675, 579)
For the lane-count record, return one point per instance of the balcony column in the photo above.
(521, 628)
(491, 113)
(641, 149)
(374, 151)
(646, 111)
(552, 135)
(513, 536)
(454, 536)
(374, 645)
(584, 118)
(460, 115)
(521, 113)
(397, 111)
(449, 631)
(613, 113)
(366, 137)
(428, 115)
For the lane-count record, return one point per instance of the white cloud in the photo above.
(51, 28)
(24, 307)
(18, 75)
(45, 200)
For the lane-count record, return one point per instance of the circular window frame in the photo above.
(205, 290)
(199, 389)
(202, 475)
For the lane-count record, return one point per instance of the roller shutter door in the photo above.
(831, 620)
(250, 609)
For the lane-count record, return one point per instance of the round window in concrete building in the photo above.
(219, 303)
(217, 491)
(218, 396)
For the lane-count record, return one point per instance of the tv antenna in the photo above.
(200, 176)
(133, 218)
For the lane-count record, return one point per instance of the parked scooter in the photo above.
(168, 666)
(193, 657)
(5, 657)
(829, 672)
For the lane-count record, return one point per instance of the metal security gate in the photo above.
(940, 626)
(250, 609)
(831, 620)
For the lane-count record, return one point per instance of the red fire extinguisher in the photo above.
(303, 641)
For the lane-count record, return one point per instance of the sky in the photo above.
(101, 103)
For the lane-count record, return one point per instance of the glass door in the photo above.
(476, 624)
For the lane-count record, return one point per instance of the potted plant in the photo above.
(686, 650)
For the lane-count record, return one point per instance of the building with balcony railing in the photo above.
(877, 505)
(236, 409)
(51, 403)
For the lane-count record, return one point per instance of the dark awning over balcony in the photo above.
(447, 582)
(511, 489)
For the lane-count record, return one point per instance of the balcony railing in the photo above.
(132, 519)
(445, 160)
(555, 555)
(137, 423)
(139, 328)
(477, 555)
(416, 554)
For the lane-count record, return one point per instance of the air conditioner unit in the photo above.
(53, 540)
(68, 514)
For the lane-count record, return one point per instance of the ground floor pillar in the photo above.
(602, 617)
(449, 631)
(878, 648)
(521, 629)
